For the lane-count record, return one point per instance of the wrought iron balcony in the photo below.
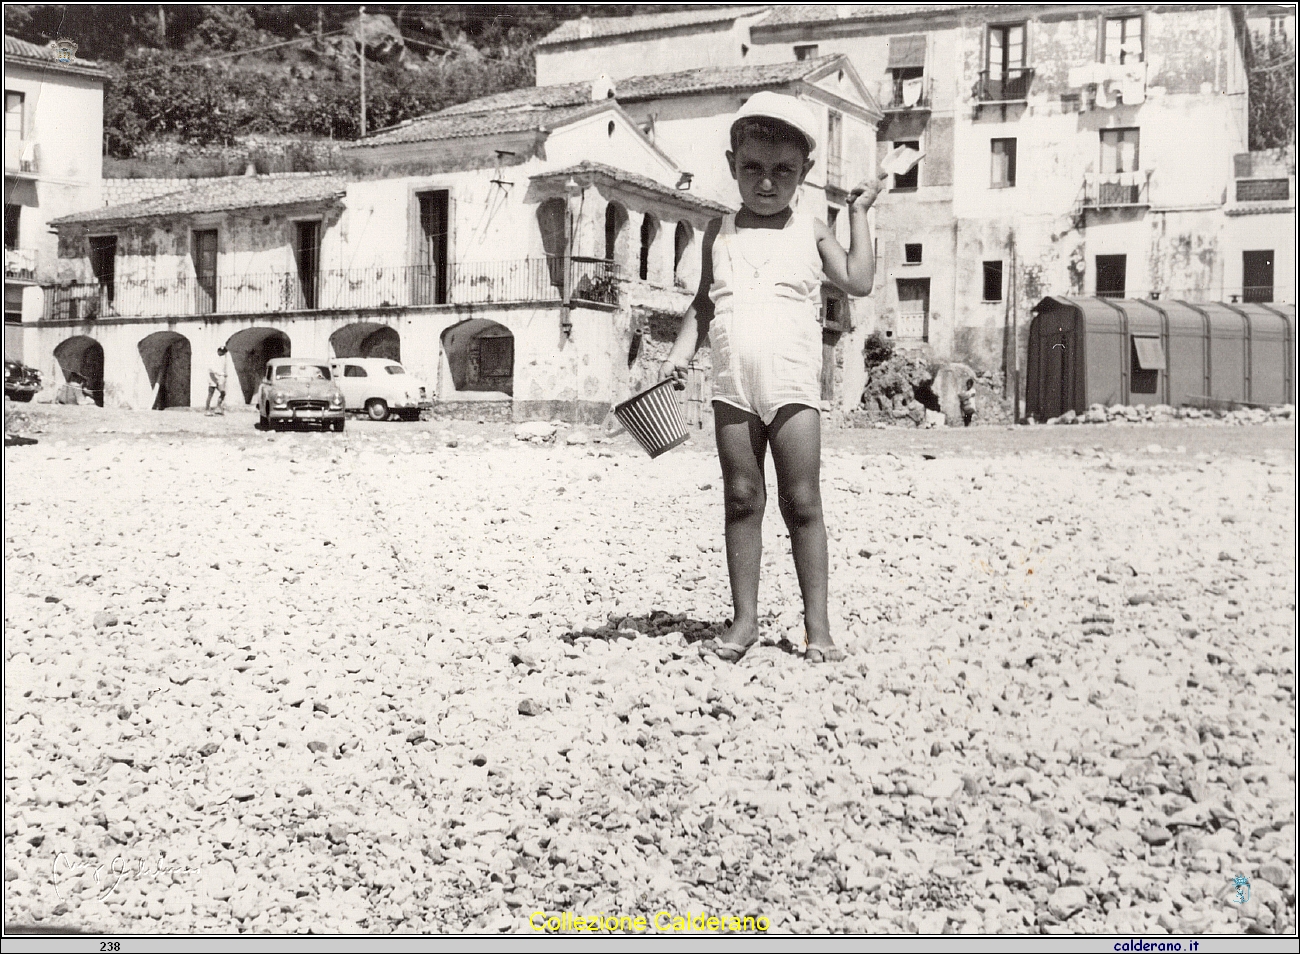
(1117, 190)
(521, 280)
(1012, 86)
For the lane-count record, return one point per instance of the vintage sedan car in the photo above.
(21, 382)
(299, 391)
(381, 388)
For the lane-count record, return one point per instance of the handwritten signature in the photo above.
(115, 871)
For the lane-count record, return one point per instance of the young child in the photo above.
(758, 302)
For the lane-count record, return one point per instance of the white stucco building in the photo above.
(54, 130)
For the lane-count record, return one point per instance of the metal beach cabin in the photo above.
(1085, 351)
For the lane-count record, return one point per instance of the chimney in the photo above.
(602, 87)
(584, 28)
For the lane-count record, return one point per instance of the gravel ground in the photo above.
(376, 682)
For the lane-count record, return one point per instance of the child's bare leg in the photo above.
(742, 447)
(795, 436)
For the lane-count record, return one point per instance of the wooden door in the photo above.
(205, 271)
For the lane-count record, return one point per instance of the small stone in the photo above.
(212, 748)
(529, 708)
(577, 436)
(416, 737)
(1156, 835)
(336, 834)
(105, 620)
(1065, 902)
(1276, 872)
(318, 746)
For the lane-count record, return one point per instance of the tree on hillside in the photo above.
(1272, 93)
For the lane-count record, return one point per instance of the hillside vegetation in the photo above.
(179, 73)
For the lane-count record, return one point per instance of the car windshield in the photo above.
(394, 369)
(303, 372)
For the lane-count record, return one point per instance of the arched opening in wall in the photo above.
(551, 216)
(367, 340)
(250, 349)
(481, 356)
(615, 225)
(649, 232)
(81, 360)
(683, 239)
(167, 356)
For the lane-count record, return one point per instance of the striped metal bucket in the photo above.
(654, 418)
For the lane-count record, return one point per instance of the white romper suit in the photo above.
(765, 333)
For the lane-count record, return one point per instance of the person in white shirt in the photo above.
(217, 372)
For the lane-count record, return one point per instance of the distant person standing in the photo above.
(217, 374)
(966, 400)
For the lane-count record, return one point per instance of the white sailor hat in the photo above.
(787, 109)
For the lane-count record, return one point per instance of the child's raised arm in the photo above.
(695, 323)
(855, 270)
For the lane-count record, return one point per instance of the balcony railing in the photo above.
(20, 264)
(1012, 86)
(523, 280)
(1117, 189)
(22, 156)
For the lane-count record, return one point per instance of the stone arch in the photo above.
(81, 358)
(683, 246)
(167, 358)
(250, 349)
(481, 356)
(615, 232)
(551, 216)
(649, 232)
(366, 339)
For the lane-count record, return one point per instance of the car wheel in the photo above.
(24, 397)
(377, 409)
(262, 420)
(338, 426)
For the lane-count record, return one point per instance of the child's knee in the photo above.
(744, 498)
(801, 505)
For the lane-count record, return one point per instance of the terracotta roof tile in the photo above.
(636, 180)
(219, 195)
(792, 13)
(48, 58)
(653, 86)
(481, 123)
(600, 27)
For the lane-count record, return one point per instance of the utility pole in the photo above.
(361, 35)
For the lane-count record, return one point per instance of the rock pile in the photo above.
(1164, 414)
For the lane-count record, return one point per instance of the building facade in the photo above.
(54, 125)
(476, 252)
(1068, 149)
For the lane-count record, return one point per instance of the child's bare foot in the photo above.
(740, 639)
(823, 650)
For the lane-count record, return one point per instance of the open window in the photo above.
(1123, 40)
(908, 181)
(1002, 153)
(103, 264)
(907, 71)
(1146, 361)
(993, 281)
